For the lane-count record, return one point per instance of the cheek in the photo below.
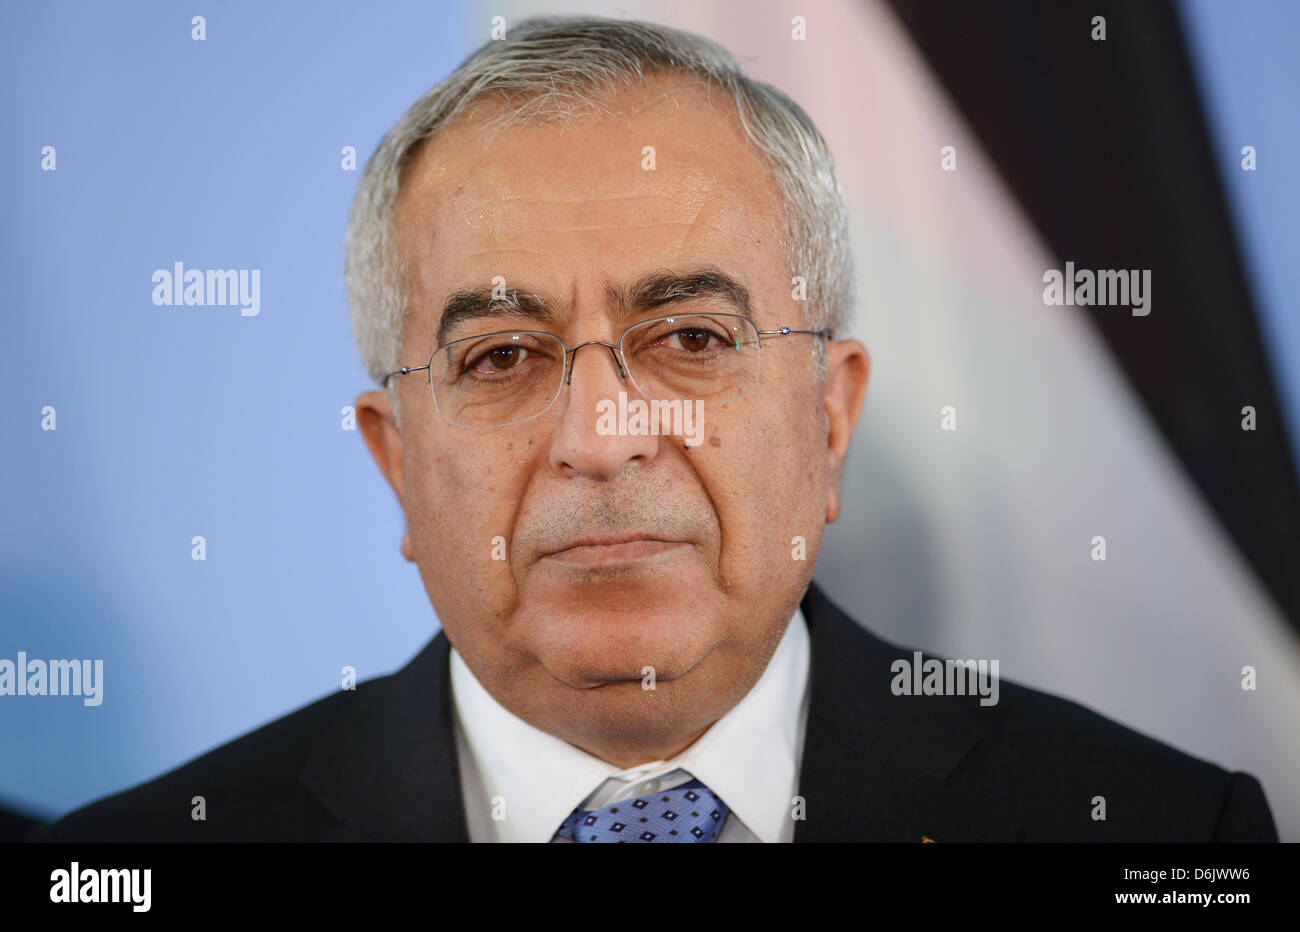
(462, 500)
(775, 478)
(753, 472)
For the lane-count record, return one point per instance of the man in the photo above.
(600, 276)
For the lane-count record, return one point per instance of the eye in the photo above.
(692, 339)
(498, 359)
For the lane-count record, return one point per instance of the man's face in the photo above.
(620, 553)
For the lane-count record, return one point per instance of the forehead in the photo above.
(664, 178)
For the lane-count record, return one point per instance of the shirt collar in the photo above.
(748, 757)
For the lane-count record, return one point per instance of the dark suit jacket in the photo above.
(379, 763)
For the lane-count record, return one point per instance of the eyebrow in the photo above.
(659, 289)
(482, 301)
(650, 292)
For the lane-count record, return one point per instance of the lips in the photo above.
(597, 551)
(609, 541)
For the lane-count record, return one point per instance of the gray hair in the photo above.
(551, 68)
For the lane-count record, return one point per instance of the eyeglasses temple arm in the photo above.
(402, 371)
(786, 330)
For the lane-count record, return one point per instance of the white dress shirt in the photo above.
(519, 783)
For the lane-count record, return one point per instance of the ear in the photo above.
(384, 439)
(848, 367)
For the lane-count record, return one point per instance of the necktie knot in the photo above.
(690, 813)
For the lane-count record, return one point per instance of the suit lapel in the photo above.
(875, 765)
(387, 771)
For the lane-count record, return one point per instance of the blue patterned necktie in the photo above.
(686, 813)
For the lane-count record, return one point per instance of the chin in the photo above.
(595, 647)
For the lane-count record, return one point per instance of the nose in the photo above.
(582, 445)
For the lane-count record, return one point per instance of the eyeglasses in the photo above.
(497, 379)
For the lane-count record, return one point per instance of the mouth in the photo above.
(610, 551)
